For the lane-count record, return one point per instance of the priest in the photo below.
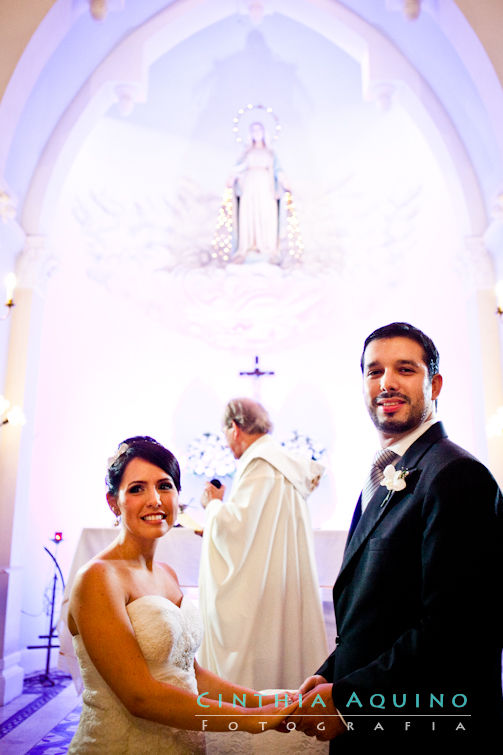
(258, 586)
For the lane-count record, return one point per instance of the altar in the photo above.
(181, 549)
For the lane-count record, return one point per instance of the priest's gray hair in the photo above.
(249, 415)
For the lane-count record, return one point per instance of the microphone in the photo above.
(216, 483)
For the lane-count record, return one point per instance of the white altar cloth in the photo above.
(181, 549)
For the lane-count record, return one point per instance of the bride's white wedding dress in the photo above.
(168, 637)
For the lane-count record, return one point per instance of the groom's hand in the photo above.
(317, 716)
(310, 683)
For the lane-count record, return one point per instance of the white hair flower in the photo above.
(121, 450)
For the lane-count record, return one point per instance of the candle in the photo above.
(16, 417)
(499, 296)
(10, 285)
(4, 405)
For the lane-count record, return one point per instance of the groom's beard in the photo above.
(416, 415)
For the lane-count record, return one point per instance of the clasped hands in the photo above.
(316, 714)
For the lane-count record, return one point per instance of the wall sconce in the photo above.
(12, 415)
(7, 204)
(499, 297)
(99, 9)
(10, 284)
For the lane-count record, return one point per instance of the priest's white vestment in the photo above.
(258, 585)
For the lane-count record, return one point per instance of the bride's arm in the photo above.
(213, 687)
(98, 607)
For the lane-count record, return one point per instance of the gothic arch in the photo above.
(124, 74)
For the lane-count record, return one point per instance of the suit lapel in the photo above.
(375, 511)
(415, 453)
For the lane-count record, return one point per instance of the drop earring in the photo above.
(117, 518)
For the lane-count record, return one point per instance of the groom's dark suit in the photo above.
(417, 601)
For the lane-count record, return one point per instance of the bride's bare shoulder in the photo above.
(101, 570)
(167, 569)
(99, 585)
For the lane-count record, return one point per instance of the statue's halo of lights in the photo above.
(249, 114)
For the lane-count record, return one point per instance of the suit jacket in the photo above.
(418, 597)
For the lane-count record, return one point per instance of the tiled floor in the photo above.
(28, 718)
(42, 720)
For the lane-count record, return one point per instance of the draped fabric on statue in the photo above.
(258, 206)
(259, 593)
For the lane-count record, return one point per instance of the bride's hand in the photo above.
(269, 717)
(278, 697)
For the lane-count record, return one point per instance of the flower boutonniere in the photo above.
(393, 479)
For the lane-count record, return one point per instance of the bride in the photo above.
(136, 636)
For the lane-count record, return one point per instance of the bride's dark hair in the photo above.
(141, 447)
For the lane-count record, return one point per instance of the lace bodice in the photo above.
(167, 652)
(168, 637)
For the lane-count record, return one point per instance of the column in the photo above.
(15, 455)
(482, 269)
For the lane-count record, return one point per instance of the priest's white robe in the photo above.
(258, 584)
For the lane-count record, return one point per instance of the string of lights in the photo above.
(294, 239)
(222, 240)
(245, 115)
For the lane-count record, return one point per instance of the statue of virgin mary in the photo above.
(258, 185)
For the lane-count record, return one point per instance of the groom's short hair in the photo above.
(405, 330)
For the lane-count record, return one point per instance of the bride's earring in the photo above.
(117, 518)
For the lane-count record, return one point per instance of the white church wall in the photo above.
(140, 337)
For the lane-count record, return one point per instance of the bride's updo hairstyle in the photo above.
(140, 447)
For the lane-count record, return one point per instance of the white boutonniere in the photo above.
(394, 480)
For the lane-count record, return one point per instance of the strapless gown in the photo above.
(168, 637)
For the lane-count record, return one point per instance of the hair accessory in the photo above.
(121, 450)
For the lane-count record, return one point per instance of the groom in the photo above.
(419, 594)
